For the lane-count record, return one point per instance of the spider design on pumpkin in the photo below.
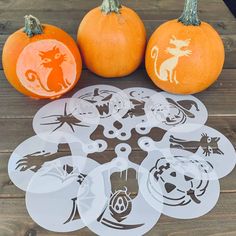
(175, 187)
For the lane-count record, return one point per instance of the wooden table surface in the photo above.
(17, 111)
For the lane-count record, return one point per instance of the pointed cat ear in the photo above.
(173, 37)
(41, 54)
(216, 139)
(55, 48)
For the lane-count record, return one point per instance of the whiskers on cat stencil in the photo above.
(205, 142)
(112, 104)
(166, 111)
(33, 154)
(51, 197)
(69, 120)
(117, 207)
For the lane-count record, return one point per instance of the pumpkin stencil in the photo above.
(180, 182)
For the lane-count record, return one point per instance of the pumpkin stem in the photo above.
(190, 13)
(32, 26)
(109, 6)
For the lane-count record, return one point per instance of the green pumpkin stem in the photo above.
(109, 6)
(32, 26)
(190, 13)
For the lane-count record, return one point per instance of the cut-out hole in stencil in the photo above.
(112, 104)
(136, 114)
(69, 120)
(207, 143)
(32, 155)
(51, 197)
(166, 111)
(176, 182)
(117, 207)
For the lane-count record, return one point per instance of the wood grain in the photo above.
(220, 221)
(17, 111)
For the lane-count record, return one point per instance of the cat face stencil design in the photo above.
(46, 68)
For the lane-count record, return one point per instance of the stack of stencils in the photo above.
(67, 191)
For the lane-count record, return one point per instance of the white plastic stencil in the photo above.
(32, 155)
(51, 197)
(210, 145)
(67, 121)
(112, 104)
(180, 183)
(115, 209)
(166, 111)
(136, 114)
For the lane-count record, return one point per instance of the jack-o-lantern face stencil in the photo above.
(180, 183)
(47, 68)
(112, 104)
(118, 207)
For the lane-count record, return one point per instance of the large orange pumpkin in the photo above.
(41, 61)
(185, 56)
(112, 40)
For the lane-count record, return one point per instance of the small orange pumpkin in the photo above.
(41, 61)
(185, 56)
(112, 40)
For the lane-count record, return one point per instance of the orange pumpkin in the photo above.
(112, 40)
(41, 61)
(185, 56)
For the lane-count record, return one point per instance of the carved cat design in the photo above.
(53, 60)
(167, 71)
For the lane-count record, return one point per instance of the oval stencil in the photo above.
(176, 182)
(51, 197)
(115, 209)
(112, 104)
(32, 155)
(207, 143)
(173, 111)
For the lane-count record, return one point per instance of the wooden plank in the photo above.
(79, 5)
(14, 220)
(229, 41)
(19, 106)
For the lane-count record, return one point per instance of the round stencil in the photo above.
(32, 155)
(136, 114)
(51, 197)
(166, 111)
(111, 103)
(46, 67)
(67, 121)
(176, 182)
(117, 207)
(207, 143)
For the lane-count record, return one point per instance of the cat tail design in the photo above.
(32, 76)
(154, 55)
